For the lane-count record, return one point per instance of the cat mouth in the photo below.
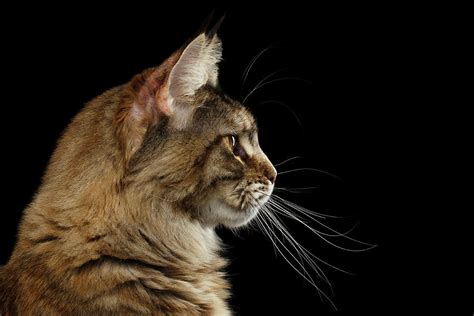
(254, 199)
(239, 206)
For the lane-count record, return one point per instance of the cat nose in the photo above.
(270, 173)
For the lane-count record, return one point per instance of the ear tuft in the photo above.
(211, 32)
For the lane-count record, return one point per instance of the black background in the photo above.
(356, 70)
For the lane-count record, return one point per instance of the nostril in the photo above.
(271, 175)
(272, 179)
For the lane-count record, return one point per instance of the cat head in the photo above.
(184, 141)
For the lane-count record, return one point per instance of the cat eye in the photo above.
(237, 149)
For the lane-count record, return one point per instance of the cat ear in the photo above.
(198, 63)
(196, 67)
(166, 92)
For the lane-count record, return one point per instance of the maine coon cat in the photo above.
(124, 220)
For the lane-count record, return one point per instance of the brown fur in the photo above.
(120, 224)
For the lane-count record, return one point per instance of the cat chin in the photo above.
(221, 213)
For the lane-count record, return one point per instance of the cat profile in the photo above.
(124, 220)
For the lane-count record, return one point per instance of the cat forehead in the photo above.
(218, 107)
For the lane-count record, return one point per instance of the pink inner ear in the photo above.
(154, 90)
(153, 94)
(163, 99)
(149, 100)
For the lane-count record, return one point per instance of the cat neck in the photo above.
(166, 233)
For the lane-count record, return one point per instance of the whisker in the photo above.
(300, 208)
(312, 215)
(303, 274)
(338, 234)
(265, 232)
(300, 125)
(297, 246)
(251, 64)
(319, 259)
(263, 84)
(316, 232)
(287, 160)
(296, 190)
(301, 251)
(310, 169)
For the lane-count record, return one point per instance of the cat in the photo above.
(124, 220)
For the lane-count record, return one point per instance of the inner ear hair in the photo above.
(197, 66)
